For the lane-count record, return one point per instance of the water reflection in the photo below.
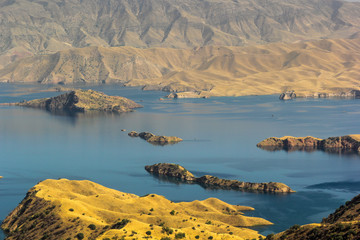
(336, 151)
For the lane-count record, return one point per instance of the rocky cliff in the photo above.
(83, 101)
(64, 209)
(344, 223)
(177, 171)
(347, 143)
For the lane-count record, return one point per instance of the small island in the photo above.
(69, 209)
(154, 139)
(82, 101)
(179, 172)
(346, 143)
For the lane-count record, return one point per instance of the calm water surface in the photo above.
(220, 137)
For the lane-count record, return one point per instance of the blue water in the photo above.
(220, 137)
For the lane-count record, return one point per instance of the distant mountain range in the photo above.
(45, 26)
(306, 67)
(180, 45)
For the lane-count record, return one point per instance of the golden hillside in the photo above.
(306, 67)
(59, 209)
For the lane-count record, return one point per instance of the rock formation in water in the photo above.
(287, 95)
(193, 94)
(344, 223)
(154, 139)
(347, 143)
(177, 171)
(83, 101)
(65, 209)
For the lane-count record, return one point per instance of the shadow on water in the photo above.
(343, 185)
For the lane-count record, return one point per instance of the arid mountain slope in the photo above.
(46, 26)
(64, 209)
(306, 67)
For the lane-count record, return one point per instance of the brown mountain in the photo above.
(306, 67)
(45, 26)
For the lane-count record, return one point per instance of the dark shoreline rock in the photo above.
(207, 181)
(154, 139)
(287, 95)
(348, 143)
(82, 101)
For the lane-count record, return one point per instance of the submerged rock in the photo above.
(179, 172)
(82, 101)
(154, 139)
(348, 142)
(65, 209)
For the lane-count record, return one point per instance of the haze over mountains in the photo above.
(34, 28)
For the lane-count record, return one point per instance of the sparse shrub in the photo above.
(197, 237)
(92, 226)
(165, 238)
(179, 235)
(151, 209)
(148, 233)
(208, 222)
(121, 224)
(80, 236)
(231, 233)
(211, 237)
(172, 212)
(71, 209)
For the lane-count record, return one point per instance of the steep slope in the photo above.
(306, 67)
(62, 209)
(43, 26)
(344, 223)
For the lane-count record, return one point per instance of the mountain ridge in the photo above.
(306, 67)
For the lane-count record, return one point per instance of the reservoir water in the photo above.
(220, 136)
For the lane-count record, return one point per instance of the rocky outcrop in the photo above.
(179, 172)
(82, 101)
(154, 139)
(287, 95)
(343, 94)
(344, 223)
(348, 143)
(66, 209)
(215, 182)
(171, 170)
(194, 94)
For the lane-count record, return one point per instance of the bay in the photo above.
(220, 136)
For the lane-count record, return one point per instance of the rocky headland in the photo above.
(346, 143)
(82, 101)
(179, 172)
(344, 223)
(154, 139)
(66, 209)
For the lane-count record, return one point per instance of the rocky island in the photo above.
(66, 209)
(179, 172)
(82, 101)
(154, 139)
(346, 143)
(344, 223)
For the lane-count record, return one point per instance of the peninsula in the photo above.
(82, 101)
(348, 142)
(66, 209)
(154, 139)
(344, 223)
(179, 172)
